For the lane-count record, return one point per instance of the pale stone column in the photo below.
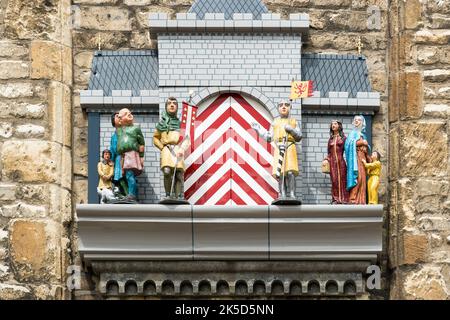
(419, 149)
(36, 148)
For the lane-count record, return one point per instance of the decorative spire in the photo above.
(99, 42)
(359, 45)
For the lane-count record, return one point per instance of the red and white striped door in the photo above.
(230, 164)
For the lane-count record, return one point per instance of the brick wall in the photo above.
(149, 180)
(224, 60)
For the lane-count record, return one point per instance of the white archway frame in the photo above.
(252, 92)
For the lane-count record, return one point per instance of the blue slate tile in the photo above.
(228, 7)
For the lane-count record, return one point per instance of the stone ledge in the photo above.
(156, 232)
(215, 22)
(95, 99)
(364, 103)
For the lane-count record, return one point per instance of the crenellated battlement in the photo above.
(241, 22)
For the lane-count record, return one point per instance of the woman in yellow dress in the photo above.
(373, 170)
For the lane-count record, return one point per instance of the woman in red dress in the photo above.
(338, 167)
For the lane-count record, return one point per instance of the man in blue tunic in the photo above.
(118, 178)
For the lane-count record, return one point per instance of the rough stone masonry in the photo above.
(45, 53)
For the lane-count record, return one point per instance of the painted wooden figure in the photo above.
(284, 133)
(356, 150)
(374, 171)
(166, 138)
(131, 147)
(105, 169)
(337, 164)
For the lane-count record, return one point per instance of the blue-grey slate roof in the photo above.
(124, 70)
(228, 7)
(138, 70)
(332, 72)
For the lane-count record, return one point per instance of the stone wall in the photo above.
(42, 120)
(419, 86)
(35, 148)
(122, 24)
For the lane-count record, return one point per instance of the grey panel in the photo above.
(130, 231)
(156, 232)
(228, 7)
(222, 232)
(346, 230)
(124, 70)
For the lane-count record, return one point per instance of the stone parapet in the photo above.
(215, 22)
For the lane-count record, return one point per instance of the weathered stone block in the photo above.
(360, 4)
(13, 69)
(81, 76)
(80, 187)
(110, 40)
(32, 19)
(60, 204)
(51, 292)
(354, 21)
(14, 292)
(7, 192)
(10, 49)
(438, 6)
(23, 210)
(46, 60)
(428, 55)
(29, 111)
(35, 250)
(427, 283)
(415, 248)
(418, 142)
(432, 36)
(440, 21)
(105, 18)
(138, 2)
(412, 13)
(393, 110)
(405, 204)
(95, 1)
(60, 113)
(33, 193)
(31, 161)
(16, 90)
(6, 130)
(331, 3)
(394, 145)
(428, 224)
(413, 105)
(29, 131)
(84, 59)
(437, 110)
(437, 75)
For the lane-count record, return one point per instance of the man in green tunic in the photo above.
(131, 147)
(166, 138)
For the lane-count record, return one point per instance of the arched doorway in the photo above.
(230, 164)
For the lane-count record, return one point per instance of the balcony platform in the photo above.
(215, 250)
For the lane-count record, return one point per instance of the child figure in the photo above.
(105, 169)
(373, 170)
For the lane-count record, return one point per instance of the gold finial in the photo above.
(359, 45)
(99, 42)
